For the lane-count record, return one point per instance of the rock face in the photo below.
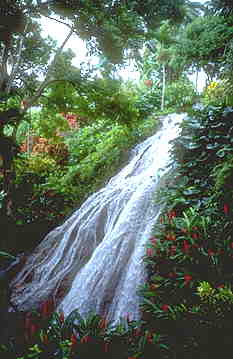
(93, 262)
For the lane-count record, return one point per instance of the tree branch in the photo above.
(16, 64)
(61, 22)
(46, 81)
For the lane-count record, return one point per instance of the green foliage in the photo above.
(188, 296)
(47, 334)
(56, 177)
(179, 94)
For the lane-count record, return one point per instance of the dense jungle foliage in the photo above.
(62, 136)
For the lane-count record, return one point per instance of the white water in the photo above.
(96, 255)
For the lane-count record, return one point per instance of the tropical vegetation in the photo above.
(64, 131)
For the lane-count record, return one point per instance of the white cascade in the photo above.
(93, 262)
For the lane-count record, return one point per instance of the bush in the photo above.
(188, 295)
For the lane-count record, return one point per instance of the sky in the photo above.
(59, 32)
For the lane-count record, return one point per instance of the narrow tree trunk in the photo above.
(163, 88)
(196, 80)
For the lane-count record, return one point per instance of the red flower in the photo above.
(226, 209)
(187, 278)
(170, 237)
(165, 307)
(149, 338)
(171, 214)
(149, 252)
(73, 340)
(194, 235)
(211, 252)
(186, 246)
(85, 339)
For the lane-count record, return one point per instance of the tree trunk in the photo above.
(197, 80)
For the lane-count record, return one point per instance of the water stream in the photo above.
(93, 262)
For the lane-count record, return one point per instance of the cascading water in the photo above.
(93, 262)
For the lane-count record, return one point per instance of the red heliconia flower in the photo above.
(171, 214)
(165, 307)
(170, 237)
(149, 338)
(149, 252)
(195, 235)
(73, 340)
(226, 209)
(186, 246)
(211, 252)
(85, 339)
(187, 278)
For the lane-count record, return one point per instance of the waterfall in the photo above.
(93, 262)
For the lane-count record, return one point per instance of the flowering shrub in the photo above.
(188, 295)
(47, 334)
(214, 93)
